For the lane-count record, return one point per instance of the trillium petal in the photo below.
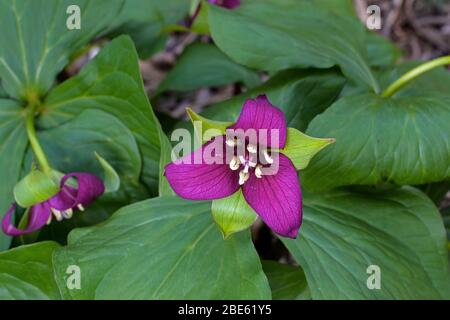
(37, 218)
(260, 114)
(277, 198)
(194, 177)
(229, 4)
(65, 199)
(89, 188)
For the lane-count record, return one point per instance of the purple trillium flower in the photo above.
(229, 4)
(61, 205)
(276, 197)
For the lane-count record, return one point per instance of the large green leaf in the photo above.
(111, 83)
(163, 248)
(35, 43)
(72, 147)
(281, 34)
(300, 94)
(344, 233)
(287, 282)
(26, 273)
(12, 148)
(145, 21)
(380, 51)
(3, 93)
(402, 140)
(446, 217)
(203, 65)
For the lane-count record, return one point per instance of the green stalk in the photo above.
(34, 142)
(414, 73)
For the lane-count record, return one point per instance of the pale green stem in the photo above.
(414, 73)
(34, 142)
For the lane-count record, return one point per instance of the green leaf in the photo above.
(382, 140)
(200, 24)
(146, 21)
(204, 65)
(287, 282)
(111, 83)
(72, 148)
(232, 214)
(446, 216)
(344, 233)
(111, 178)
(299, 34)
(164, 188)
(13, 139)
(381, 51)
(163, 248)
(35, 43)
(3, 93)
(26, 273)
(34, 188)
(301, 148)
(301, 95)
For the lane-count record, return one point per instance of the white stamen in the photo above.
(57, 214)
(253, 160)
(67, 213)
(251, 148)
(49, 219)
(243, 176)
(242, 159)
(258, 171)
(268, 159)
(234, 163)
(231, 142)
(80, 207)
(246, 168)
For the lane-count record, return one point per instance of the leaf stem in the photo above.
(414, 73)
(32, 138)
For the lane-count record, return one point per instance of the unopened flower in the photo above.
(61, 206)
(274, 195)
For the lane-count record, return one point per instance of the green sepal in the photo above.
(206, 125)
(34, 188)
(201, 24)
(301, 148)
(232, 214)
(111, 179)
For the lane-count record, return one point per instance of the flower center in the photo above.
(248, 158)
(63, 214)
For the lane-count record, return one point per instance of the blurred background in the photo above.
(420, 27)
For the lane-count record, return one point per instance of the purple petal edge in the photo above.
(37, 218)
(277, 198)
(260, 114)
